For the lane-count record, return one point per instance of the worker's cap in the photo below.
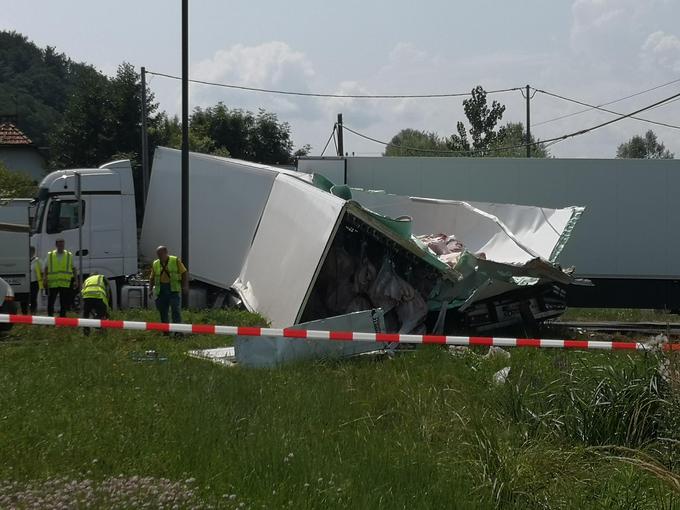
(60, 240)
(161, 248)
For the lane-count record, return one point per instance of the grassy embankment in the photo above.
(424, 430)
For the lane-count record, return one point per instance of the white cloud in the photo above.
(663, 50)
(271, 65)
(614, 48)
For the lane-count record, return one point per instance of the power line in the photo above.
(338, 96)
(558, 96)
(548, 141)
(598, 107)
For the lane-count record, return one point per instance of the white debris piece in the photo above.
(221, 355)
(657, 342)
(458, 350)
(501, 376)
(497, 352)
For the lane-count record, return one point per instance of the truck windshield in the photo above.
(39, 210)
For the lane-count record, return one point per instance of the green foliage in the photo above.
(514, 135)
(412, 142)
(16, 184)
(88, 118)
(482, 139)
(233, 133)
(242, 134)
(102, 119)
(644, 147)
(482, 119)
(36, 84)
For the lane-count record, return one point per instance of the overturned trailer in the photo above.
(435, 266)
(301, 251)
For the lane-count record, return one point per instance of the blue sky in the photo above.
(593, 50)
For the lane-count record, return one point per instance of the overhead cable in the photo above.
(336, 96)
(517, 146)
(599, 107)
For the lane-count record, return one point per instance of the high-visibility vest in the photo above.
(38, 272)
(172, 268)
(95, 288)
(59, 272)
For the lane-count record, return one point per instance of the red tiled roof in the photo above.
(12, 135)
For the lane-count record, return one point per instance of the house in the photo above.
(18, 153)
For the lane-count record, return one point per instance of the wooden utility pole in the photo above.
(528, 122)
(341, 144)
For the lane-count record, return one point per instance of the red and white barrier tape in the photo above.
(344, 336)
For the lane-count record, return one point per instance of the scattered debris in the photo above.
(150, 355)
(221, 355)
(458, 350)
(497, 352)
(657, 342)
(501, 376)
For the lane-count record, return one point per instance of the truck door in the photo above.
(106, 246)
(62, 222)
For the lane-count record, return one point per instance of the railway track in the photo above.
(621, 327)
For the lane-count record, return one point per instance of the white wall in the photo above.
(631, 226)
(25, 159)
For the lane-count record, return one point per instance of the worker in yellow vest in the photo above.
(167, 280)
(36, 280)
(96, 295)
(59, 277)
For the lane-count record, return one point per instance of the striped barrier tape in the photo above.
(344, 336)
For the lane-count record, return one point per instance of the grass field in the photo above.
(81, 421)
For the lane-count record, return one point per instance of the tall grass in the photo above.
(423, 430)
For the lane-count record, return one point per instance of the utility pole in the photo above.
(528, 122)
(185, 139)
(145, 142)
(341, 145)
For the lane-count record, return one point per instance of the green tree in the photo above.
(35, 84)
(644, 147)
(103, 118)
(257, 137)
(82, 136)
(483, 119)
(513, 136)
(16, 184)
(412, 142)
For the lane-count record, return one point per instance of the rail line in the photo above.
(621, 326)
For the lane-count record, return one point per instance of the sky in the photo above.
(595, 51)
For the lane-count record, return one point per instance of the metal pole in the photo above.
(341, 145)
(79, 198)
(145, 142)
(185, 137)
(528, 122)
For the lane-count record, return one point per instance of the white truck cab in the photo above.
(109, 224)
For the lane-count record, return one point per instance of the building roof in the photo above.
(12, 135)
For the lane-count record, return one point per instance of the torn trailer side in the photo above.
(317, 255)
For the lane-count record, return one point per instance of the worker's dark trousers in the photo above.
(168, 300)
(35, 288)
(94, 308)
(65, 296)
